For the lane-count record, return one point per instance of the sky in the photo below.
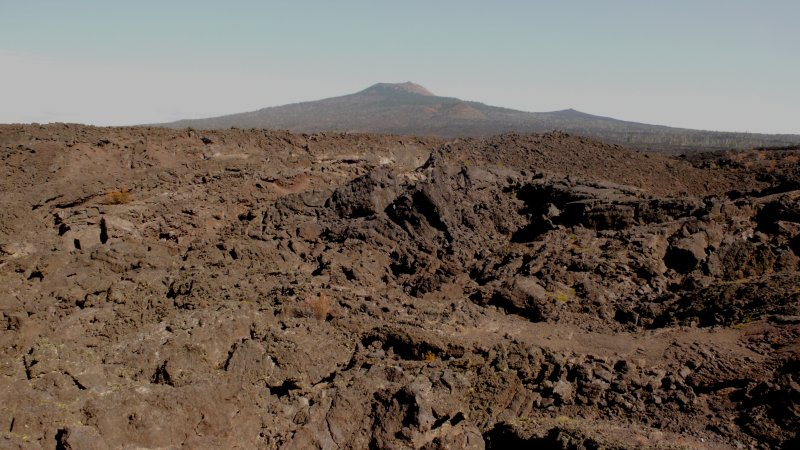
(731, 65)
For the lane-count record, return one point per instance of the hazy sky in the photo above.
(715, 64)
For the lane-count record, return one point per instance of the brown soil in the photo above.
(258, 289)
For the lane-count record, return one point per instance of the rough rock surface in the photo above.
(257, 289)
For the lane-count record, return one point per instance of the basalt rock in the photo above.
(263, 289)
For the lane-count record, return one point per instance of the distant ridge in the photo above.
(410, 109)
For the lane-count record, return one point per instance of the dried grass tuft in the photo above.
(320, 305)
(119, 197)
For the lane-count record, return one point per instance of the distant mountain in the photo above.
(410, 109)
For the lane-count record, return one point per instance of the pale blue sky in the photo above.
(713, 64)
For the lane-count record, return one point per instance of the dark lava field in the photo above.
(261, 289)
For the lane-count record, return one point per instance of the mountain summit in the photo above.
(410, 109)
(407, 87)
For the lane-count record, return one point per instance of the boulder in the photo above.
(686, 254)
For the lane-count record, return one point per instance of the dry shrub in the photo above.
(119, 197)
(772, 166)
(320, 305)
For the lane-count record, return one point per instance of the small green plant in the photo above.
(742, 323)
(563, 296)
